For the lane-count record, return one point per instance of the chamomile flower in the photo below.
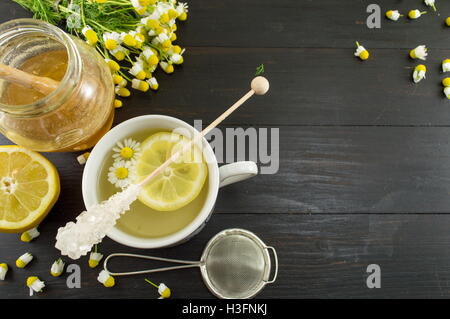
(90, 35)
(29, 235)
(82, 159)
(106, 279)
(419, 52)
(393, 15)
(35, 284)
(57, 268)
(118, 103)
(419, 73)
(127, 149)
(122, 91)
(361, 52)
(163, 290)
(447, 92)
(447, 22)
(3, 271)
(430, 3)
(121, 173)
(24, 260)
(415, 14)
(446, 65)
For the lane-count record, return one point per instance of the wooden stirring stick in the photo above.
(41, 84)
(259, 86)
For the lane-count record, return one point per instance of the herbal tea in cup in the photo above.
(176, 204)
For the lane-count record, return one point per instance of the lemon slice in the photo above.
(180, 183)
(29, 187)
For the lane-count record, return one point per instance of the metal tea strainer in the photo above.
(235, 264)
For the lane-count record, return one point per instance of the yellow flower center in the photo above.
(122, 172)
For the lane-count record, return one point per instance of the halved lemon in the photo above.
(29, 187)
(181, 182)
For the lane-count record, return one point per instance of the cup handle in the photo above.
(236, 172)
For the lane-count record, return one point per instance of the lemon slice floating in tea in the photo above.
(178, 184)
(29, 187)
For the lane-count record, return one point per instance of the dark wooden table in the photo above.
(364, 173)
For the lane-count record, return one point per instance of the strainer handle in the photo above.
(275, 258)
(187, 264)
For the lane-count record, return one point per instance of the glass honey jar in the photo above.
(77, 113)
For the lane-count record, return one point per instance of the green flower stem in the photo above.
(151, 283)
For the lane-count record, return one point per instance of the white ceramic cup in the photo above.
(217, 177)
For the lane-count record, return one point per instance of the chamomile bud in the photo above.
(118, 103)
(113, 65)
(128, 39)
(140, 85)
(152, 23)
(35, 284)
(153, 83)
(90, 35)
(164, 291)
(446, 82)
(106, 279)
(167, 67)
(83, 158)
(140, 9)
(164, 18)
(447, 22)
(446, 65)
(94, 259)
(173, 37)
(415, 14)
(172, 13)
(119, 52)
(393, 15)
(447, 92)
(430, 3)
(182, 16)
(361, 52)
(57, 268)
(138, 70)
(29, 235)
(3, 271)
(177, 58)
(24, 260)
(176, 49)
(123, 83)
(122, 91)
(419, 53)
(150, 57)
(162, 40)
(419, 73)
